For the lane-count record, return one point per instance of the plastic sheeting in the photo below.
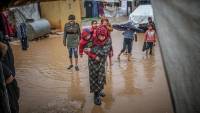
(38, 28)
(26, 12)
(114, 12)
(141, 13)
(35, 29)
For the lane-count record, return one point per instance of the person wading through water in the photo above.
(97, 58)
(71, 40)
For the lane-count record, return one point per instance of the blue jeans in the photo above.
(73, 51)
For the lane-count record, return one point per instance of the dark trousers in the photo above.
(24, 42)
(13, 95)
(150, 46)
(127, 43)
(147, 45)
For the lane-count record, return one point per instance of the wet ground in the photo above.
(137, 86)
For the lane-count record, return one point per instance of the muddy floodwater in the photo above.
(137, 86)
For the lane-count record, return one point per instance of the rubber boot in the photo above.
(97, 98)
(102, 94)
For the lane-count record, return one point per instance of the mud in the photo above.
(137, 86)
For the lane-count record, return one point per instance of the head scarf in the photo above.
(101, 30)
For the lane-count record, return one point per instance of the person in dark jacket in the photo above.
(129, 35)
(7, 60)
(71, 40)
(4, 101)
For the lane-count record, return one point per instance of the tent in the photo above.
(141, 13)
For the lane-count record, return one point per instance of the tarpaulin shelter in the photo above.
(141, 13)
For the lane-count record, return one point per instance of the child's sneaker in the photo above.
(129, 57)
(70, 67)
(76, 68)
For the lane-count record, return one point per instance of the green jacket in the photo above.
(71, 35)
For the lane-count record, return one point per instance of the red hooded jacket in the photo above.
(86, 44)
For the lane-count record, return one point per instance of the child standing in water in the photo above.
(129, 36)
(149, 39)
(97, 73)
(105, 23)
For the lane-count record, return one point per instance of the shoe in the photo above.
(102, 94)
(97, 99)
(146, 52)
(129, 57)
(118, 57)
(70, 67)
(150, 52)
(76, 68)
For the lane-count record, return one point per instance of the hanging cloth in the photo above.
(95, 9)
(88, 5)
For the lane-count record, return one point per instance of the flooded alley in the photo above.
(55, 56)
(47, 86)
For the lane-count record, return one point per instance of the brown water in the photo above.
(138, 86)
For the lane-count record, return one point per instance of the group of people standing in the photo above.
(96, 43)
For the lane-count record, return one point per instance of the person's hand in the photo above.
(97, 58)
(9, 80)
(87, 49)
(154, 44)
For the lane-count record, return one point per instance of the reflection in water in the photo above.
(149, 68)
(108, 99)
(129, 76)
(97, 109)
(75, 91)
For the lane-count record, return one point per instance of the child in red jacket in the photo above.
(149, 39)
(86, 42)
